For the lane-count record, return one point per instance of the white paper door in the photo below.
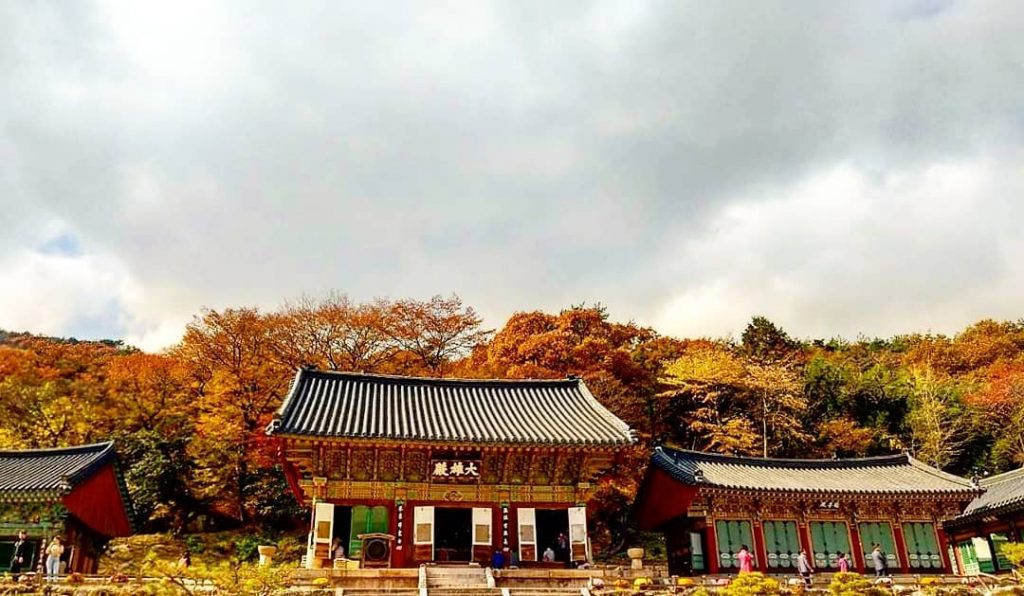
(578, 543)
(423, 529)
(481, 526)
(320, 535)
(527, 534)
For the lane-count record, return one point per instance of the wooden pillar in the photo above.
(940, 534)
(857, 546)
(901, 545)
(760, 549)
(712, 540)
(805, 540)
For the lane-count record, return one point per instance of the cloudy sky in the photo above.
(840, 167)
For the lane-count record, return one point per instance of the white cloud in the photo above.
(849, 252)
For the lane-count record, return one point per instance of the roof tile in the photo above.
(356, 405)
(885, 474)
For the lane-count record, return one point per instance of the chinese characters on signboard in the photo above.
(458, 470)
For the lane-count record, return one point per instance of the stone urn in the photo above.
(266, 553)
(636, 556)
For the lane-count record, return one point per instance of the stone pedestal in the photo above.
(266, 554)
(636, 556)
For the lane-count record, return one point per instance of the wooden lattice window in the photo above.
(922, 545)
(782, 543)
(730, 536)
(828, 539)
(878, 532)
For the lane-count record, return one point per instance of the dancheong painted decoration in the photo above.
(709, 506)
(444, 470)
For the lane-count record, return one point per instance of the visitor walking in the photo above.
(53, 554)
(803, 566)
(843, 563)
(549, 555)
(878, 560)
(21, 553)
(746, 559)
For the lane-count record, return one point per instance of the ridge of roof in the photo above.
(782, 462)
(431, 380)
(920, 465)
(98, 448)
(1003, 477)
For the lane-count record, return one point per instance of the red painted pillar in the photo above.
(857, 556)
(805, 541)
(760, 550)
(901, 546)
(947, 567)
(712, 555)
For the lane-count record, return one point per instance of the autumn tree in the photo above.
(936, 425)
(435, 331)
(238, 383)
(335, 333)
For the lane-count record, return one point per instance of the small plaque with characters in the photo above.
(455, 470)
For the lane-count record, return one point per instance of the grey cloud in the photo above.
(523, 154)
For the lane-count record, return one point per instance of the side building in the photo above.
(710, 505)
(991, 520)
(76, 493)
(444, 469)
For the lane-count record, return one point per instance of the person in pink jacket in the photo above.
(746, 559)
(843, 563)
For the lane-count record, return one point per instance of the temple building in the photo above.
(989, 521)
(709, 506)
(76, 493)
(402, 471)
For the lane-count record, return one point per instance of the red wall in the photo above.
(97, 503)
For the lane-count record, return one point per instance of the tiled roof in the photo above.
(886, 474)
(44, 471)
(1003, 492)
(351, 405)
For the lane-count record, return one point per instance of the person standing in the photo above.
(803, 566)
(843, 563)
(53, 554)
(878, 560)
(21, 556)
(746, 559)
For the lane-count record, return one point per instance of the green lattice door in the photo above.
(922, 546)
(365, 520)
(828, 539)
(782, 543)
(731, 535)
(968, 558)
(872, 533)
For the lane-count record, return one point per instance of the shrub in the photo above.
(853, 584)
(751, 584)
(1014, 551)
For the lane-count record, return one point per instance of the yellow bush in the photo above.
(685, 581)
(321, 581)
(752, 584)
(853, 584)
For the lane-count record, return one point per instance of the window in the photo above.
(782, 543)
(872, 533)
(998, 540)
(828, 539)
(731, 535)
(922, 546)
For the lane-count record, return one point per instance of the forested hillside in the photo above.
(189, 422)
